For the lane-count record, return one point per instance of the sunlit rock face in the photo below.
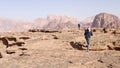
(105, 20)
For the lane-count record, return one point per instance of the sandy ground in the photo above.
(65, 49)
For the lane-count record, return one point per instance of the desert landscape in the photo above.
(56, 42)
(60, 49)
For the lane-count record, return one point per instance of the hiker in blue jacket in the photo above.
(88, 33)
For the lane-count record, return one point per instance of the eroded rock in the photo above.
(1, 55)
(10, 51)
(23, 48)
(24, 38)
(113, 48)
(11, 41)
(105, 20)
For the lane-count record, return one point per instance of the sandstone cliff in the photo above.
(105, 20)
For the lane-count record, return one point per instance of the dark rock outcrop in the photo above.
(24, 38)
(10, 51)
(11, 41)
(1, 55)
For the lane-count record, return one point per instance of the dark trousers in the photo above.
(88, 42)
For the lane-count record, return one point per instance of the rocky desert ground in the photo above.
(60, 49)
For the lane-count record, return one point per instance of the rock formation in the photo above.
(39, 23)
(87, 22)
(60, 22)
(13, 25)
(53, 22)
(105, 20)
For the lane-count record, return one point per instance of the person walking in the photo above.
(79, 26)
(88, 33)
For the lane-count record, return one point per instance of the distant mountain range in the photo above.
(52, 22)
(59, 22)
(87, 22)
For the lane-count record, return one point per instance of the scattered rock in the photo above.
(23, 48)
(32, 30)
(104, 30)
(110, 66)
(5, 41)
(114, 47)
(42, 30)
(10, 51)
(110, 47)
(117, 48)
(24, 38)
(55, 37)
(114, 32)
(94, 30)
(16, 43)
(1, 55)
(113, 43)
(100, 60)
(10, 41)
(19, 43)
(11, 38)
(70, 62)
(23, 54)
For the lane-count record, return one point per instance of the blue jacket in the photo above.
(88, 33)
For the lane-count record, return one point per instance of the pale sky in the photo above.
(81, 9)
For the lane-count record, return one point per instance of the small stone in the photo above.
(1, 55)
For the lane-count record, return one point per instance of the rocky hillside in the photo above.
(52, 22)
(88, 21)
(39, 23)
(61, 22)
(11, 25)
(105, 20)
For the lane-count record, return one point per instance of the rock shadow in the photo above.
(77, 45)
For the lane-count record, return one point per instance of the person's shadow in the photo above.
(77, 45)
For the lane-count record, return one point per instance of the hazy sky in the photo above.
(32, 9)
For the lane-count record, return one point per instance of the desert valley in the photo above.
(56, 42)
